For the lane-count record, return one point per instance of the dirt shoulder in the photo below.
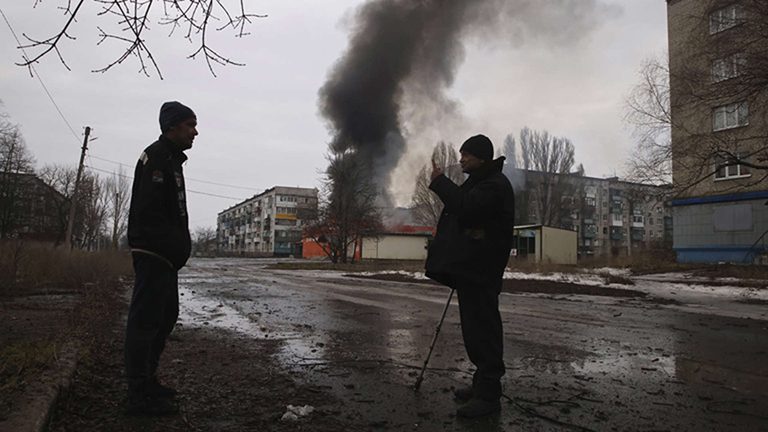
(33, 330)
(226, 383)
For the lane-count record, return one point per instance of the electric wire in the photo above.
(188, 190)
(36, 74)
(189, 178)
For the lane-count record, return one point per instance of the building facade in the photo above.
(31, 209)
(612, 217)
(718, 102)
(545, 245)
(267, 224)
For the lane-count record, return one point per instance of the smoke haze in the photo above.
(386, 97)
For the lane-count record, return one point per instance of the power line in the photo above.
(37, 75)
(190, 178)
(188, 190)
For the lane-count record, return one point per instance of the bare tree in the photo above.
(204, 241)
(15, 160)
(647, 111)
(126, 22)
(426, 204)
(548, 161)
(348, 210)
(117, 192)
(89, 229)
(62, 179)
(90, 225)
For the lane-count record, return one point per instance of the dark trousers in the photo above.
(483, 338)
(152, 315)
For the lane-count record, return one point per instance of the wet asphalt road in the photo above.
(573, 362)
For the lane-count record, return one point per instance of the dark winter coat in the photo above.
(474, 234)
(157, 222)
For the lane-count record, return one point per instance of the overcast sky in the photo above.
(259, 124)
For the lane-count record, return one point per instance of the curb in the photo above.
(39, 398)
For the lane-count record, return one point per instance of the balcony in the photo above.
(637, 234)
(617, 234)
(589, 231)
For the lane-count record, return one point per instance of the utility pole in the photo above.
(115, 216)
(73, 202)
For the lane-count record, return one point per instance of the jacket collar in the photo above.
(172, 149)
(488, 169)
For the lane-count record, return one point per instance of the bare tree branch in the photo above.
(426, 205)
(731, 70)
(134, 17)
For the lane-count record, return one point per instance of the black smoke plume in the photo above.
(416, 44)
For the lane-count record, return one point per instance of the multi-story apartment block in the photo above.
(612, 217)
(267, 224)
(719, 111)
(31, 209)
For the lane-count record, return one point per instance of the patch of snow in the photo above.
(613, 271)
(414, 275)
(293, 413)
(581, 279)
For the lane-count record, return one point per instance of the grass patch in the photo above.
(29, 268)
(617, 279)
(564, 288)
(732, 271)
(19, 362)
(753, 301)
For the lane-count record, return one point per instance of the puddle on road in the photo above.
(625, 364)
(349, 346)
(200, 311)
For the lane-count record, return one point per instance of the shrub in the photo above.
(32, 268)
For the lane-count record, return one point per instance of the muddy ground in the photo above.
(252, 340)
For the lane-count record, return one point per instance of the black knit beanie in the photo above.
(173, 113)
(479, 146)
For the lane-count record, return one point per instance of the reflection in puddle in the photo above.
(400, 343)
(200, 311)
(626, 364)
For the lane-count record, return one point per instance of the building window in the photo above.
(638, 219)
(728, 67)
(730, 116)
(725, 172)
(725, 18)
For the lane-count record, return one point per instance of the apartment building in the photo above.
(267, 224)
(612, 217)
(718, 98)
(30, 209)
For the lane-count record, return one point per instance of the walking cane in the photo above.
(434, 340)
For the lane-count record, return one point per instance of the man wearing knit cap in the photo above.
(158, 233)
(469, 254)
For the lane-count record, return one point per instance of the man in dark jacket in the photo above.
(158, 233)
(469, 253)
